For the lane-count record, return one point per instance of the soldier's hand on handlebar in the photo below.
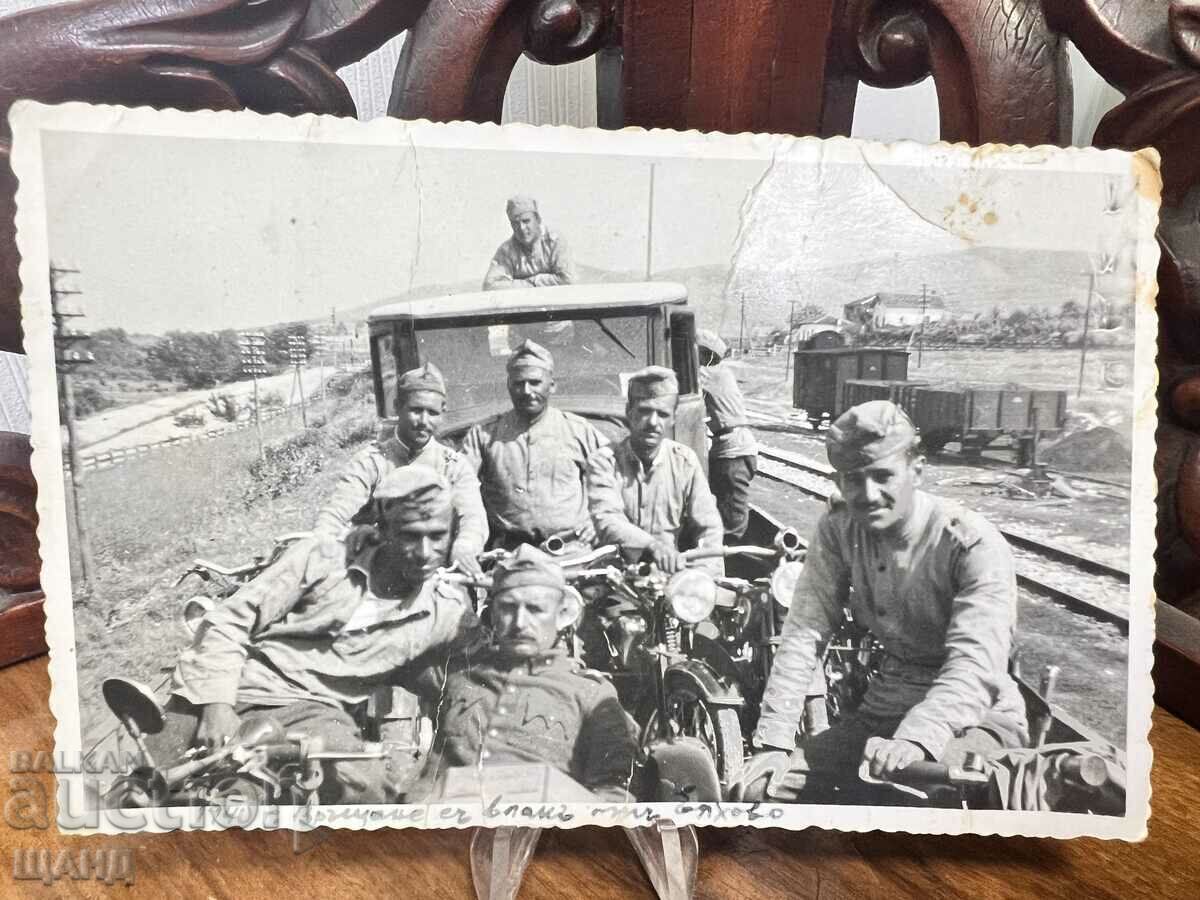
(218, 724)
(887, 757)
(666, 557)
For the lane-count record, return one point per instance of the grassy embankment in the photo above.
(150, 518)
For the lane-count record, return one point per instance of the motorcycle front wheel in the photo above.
(717, 727)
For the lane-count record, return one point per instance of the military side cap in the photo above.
(710, 340)
(531, 353)
(653, 381)
(425, 378)
(413, 493)
(519, 205)
(528, 567)
(867, 433)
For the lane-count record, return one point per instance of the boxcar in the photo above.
(821, 376)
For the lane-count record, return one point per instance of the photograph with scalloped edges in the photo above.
(444, 475)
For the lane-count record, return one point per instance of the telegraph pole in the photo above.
(66, 360)
(1087, 316)
(921, 336)
(298, 355)
(787, 343)
(650, 228)
(742, 328)
(253, 347)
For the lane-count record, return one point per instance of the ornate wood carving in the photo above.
(775, 65)
(458, 56)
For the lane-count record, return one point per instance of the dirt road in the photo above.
(154, 420)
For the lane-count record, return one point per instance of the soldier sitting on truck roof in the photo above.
(420, 400)
(936, 587)
(533, 257)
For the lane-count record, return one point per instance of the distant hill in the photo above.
(971, 281)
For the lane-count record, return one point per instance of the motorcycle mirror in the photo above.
(134, 705)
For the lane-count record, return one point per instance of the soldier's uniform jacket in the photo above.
(513, 265)
(547, 709)
(634, 507)
(310, 628)
(372, 464)
(532, 474)
(944, 605)
(726, 408)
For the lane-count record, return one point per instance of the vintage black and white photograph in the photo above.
(480, 475)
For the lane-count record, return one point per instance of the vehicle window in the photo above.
(589, 356)
(383, 351)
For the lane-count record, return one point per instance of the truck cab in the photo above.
(599, 334)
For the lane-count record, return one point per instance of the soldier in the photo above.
(648, 494)
(533, 257)
(307, 640)
(733, 456)
(421, 401)
(532, 461)
(933, 583)
(522, 699)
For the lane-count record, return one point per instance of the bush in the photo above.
(190, 419)
(270, 400)
(224, 407)
(285, 466)
(90, 400)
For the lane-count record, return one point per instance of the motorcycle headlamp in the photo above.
(783, 582)
(692, 595)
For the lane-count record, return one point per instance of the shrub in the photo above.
(190, 419)
(284, 466)
(90, 400)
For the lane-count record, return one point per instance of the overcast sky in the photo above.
(210, 233)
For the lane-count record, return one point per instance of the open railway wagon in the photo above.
(975, 415)
(821, 376)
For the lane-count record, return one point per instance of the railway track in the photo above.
(1039, 564)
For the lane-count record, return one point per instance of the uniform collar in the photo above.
(635, 460)
(554, 658)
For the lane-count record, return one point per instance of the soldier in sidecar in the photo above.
(306, 642)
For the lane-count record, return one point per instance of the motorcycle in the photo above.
(688, 654)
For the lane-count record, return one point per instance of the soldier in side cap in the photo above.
(933, 583)
(532, 461)
(534, 256)
(522, 699)
(648, 493)
(420, 404)
(308, 640)
(733, 456)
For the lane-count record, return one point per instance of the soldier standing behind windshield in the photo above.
(420, 402)
(534, 256)
(648, 494)
(532, 461)
(733, 457)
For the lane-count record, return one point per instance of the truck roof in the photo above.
(531, 300)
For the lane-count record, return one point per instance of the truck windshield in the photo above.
(590, 356)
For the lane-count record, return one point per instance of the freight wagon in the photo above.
(821, 376)
(972, 414)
